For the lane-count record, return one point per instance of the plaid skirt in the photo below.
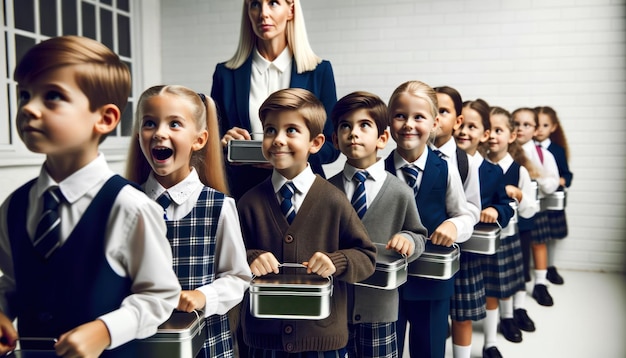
(268, 353)
(503, 272)
(558, 224)
(541, 231)
(468, 301)
(372, 340)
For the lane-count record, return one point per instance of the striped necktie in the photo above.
(164, 200)
(286, 206)
(439, 153)
(359, 201)
(410, 175)
(48, 232)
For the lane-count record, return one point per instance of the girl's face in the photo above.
(525, 125)
(449, 120)
(168, 136)
(411, 125)
(500, 137)
(269, 18)
(472, 132)
(546, 127)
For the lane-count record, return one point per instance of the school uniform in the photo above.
(557, 218)
(208, 251)
(391, 210)
(548, 182)
(424, 302)
(82, 280)
(324, 221)
(231, 91)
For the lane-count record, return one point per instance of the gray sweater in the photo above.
(392, 211)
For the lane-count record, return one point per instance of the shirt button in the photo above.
(288, 329)
(357, 317)
(289, 347)
(289, 239)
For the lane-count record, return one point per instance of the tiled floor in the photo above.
(588, 319)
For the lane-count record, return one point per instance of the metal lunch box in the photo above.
(182, 335)
(245, 151)
(554, 201)
(511, 228)
(438, 262)
(484, 240)
(535, 188)
(291, 296)
(45, 348)
(391, 270)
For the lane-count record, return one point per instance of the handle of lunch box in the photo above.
(33, 339)
(297, 265)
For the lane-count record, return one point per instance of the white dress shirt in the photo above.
(471, 186)
(266, 78)
(549, 178)
(302, 182)
(135, 246)
(233, 274)
(528, 207)
(457, 207)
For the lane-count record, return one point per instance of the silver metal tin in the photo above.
(182, 335)
(484, 240)
(535, 188)
(438, 262)
(245, 151)
(291, 296)
(511, 229)
(554, 201)
(391, 270)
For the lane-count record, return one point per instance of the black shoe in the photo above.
(510, 331)
(522, 321)
(553, 276)
(491, 352)
(542, 296)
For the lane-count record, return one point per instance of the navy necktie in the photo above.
(439, 153)
(164, 200)
(286, 206)
(359, 200)
(410, 175)
(48, 232)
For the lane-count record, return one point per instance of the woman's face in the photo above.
(269, 18)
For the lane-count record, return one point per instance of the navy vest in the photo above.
(493, 192)
(76, 284)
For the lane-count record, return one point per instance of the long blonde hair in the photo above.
(208, 161)
(297, 40)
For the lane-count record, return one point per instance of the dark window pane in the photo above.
(106, 28)
(69, 15)
(48, 17)
(107, 2)
(6, 51)
(5, 114)
(123, 35)
(123, 5)
(89, 20)
(4, 14)
(22, 44)
(126, 124)
(24, 14)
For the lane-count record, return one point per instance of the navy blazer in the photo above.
(561, 162)
(231, 93)
(493, 192)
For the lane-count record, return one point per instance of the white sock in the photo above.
(490, 325)
(551, 250)
(506, 308)
(519, 300)
(540, 277)
(461, 351)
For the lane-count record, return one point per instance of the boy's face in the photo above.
(525, 126)
(449, 120)
(546, 127)
(411, 125)
(168, 136)
(471, 133)
(287, 142)
(54, 116)
(357, 138)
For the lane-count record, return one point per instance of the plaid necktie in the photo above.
(286, 206)
(164, 200)
(359, 201)
(48, 232)
(410, 175)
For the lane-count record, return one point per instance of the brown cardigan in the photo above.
(325, 222)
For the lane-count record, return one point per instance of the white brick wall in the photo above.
(569, 54)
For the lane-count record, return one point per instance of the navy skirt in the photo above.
(503, 272)
(558, 224)
(468, 301)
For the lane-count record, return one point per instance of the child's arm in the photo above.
(460, 223)
(87, 340)
(528, 206)
(401, 244)
(489, 215)
(320, 264)
(356, 258)
(8, 334)
(264, 264)
(549, 180)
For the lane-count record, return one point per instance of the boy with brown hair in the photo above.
(296, 216)
(84, 255)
